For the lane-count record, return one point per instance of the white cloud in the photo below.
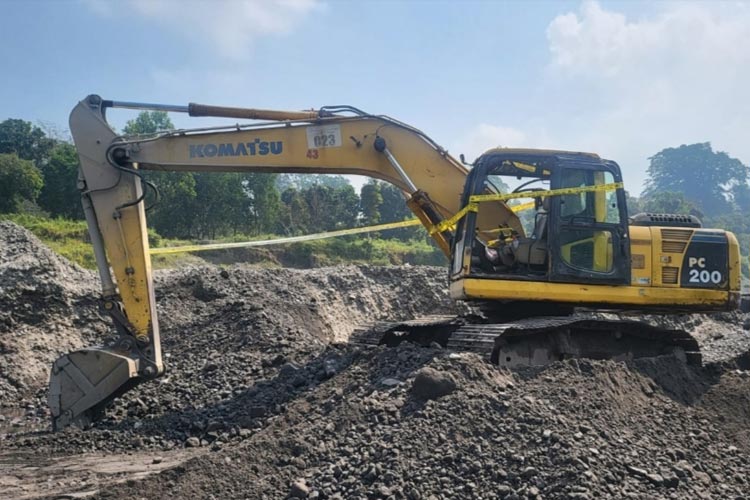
(681, 38)
(485, 136)
(635, 86)
(626, 88)
(230, 27)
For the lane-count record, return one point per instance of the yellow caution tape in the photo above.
(497, 230)
(523, 166)
(478, 198)
(281, 241)
(475, 200)
(523, 206)
(451, 223)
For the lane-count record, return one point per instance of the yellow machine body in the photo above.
(657, 258)
(651, 266)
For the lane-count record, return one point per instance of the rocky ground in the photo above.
(264, 399)
(46, 306)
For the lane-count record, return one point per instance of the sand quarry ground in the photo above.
(264, 398)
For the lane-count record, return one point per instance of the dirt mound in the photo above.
(721, 336)
(262, 400)
(579, 429)
(290, 305)
(246, 321)
(47, 307)
(225, 330)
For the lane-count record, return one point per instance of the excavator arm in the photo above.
(334, 140)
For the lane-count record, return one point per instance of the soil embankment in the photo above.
(263, 398)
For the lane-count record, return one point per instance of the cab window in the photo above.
(585, 247)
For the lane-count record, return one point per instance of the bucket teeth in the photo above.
(83, 382)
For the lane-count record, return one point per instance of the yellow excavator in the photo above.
(561, 239)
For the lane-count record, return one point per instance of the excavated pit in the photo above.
(263, 399)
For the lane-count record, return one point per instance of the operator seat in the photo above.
(533, 250)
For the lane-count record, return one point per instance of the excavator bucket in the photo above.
(83, 382)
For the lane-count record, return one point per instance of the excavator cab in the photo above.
(575, 227)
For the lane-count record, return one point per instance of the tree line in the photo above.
(696, 180)
(38, 174)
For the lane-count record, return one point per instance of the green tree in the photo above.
(498, 183)
(264, 202)
(172, 215)
(741, 197)
(668, 202)
(370, 201)
(19, 180)
(294, 213)
(148, 122)
(207, 205)
(25, 140)
(704, 177)
(221, 205)
(331, 208)
(347, 206)
(394, 209)
(306, 181)
(60, 195)
(634, 204)
(318, 208)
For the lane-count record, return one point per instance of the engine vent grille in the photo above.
(673, 246)
(676, 234)
(669, 275)
(668, 220)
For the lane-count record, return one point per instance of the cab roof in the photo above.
(535, 162)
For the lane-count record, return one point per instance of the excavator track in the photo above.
(423, 331)
(536, 341)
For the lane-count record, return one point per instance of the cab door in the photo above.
(589, 235)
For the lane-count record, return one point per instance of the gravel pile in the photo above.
(226, 330)
(721, 335)
(417, 423)
(250, 322)
(264, 399)
(47, 307)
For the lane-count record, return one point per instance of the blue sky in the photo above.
(624, 79)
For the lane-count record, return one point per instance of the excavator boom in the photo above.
(335, 140)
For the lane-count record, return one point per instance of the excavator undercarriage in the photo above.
(536, 341)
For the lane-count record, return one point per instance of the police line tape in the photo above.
(281, 241)
(475, 200)
(443, 226)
